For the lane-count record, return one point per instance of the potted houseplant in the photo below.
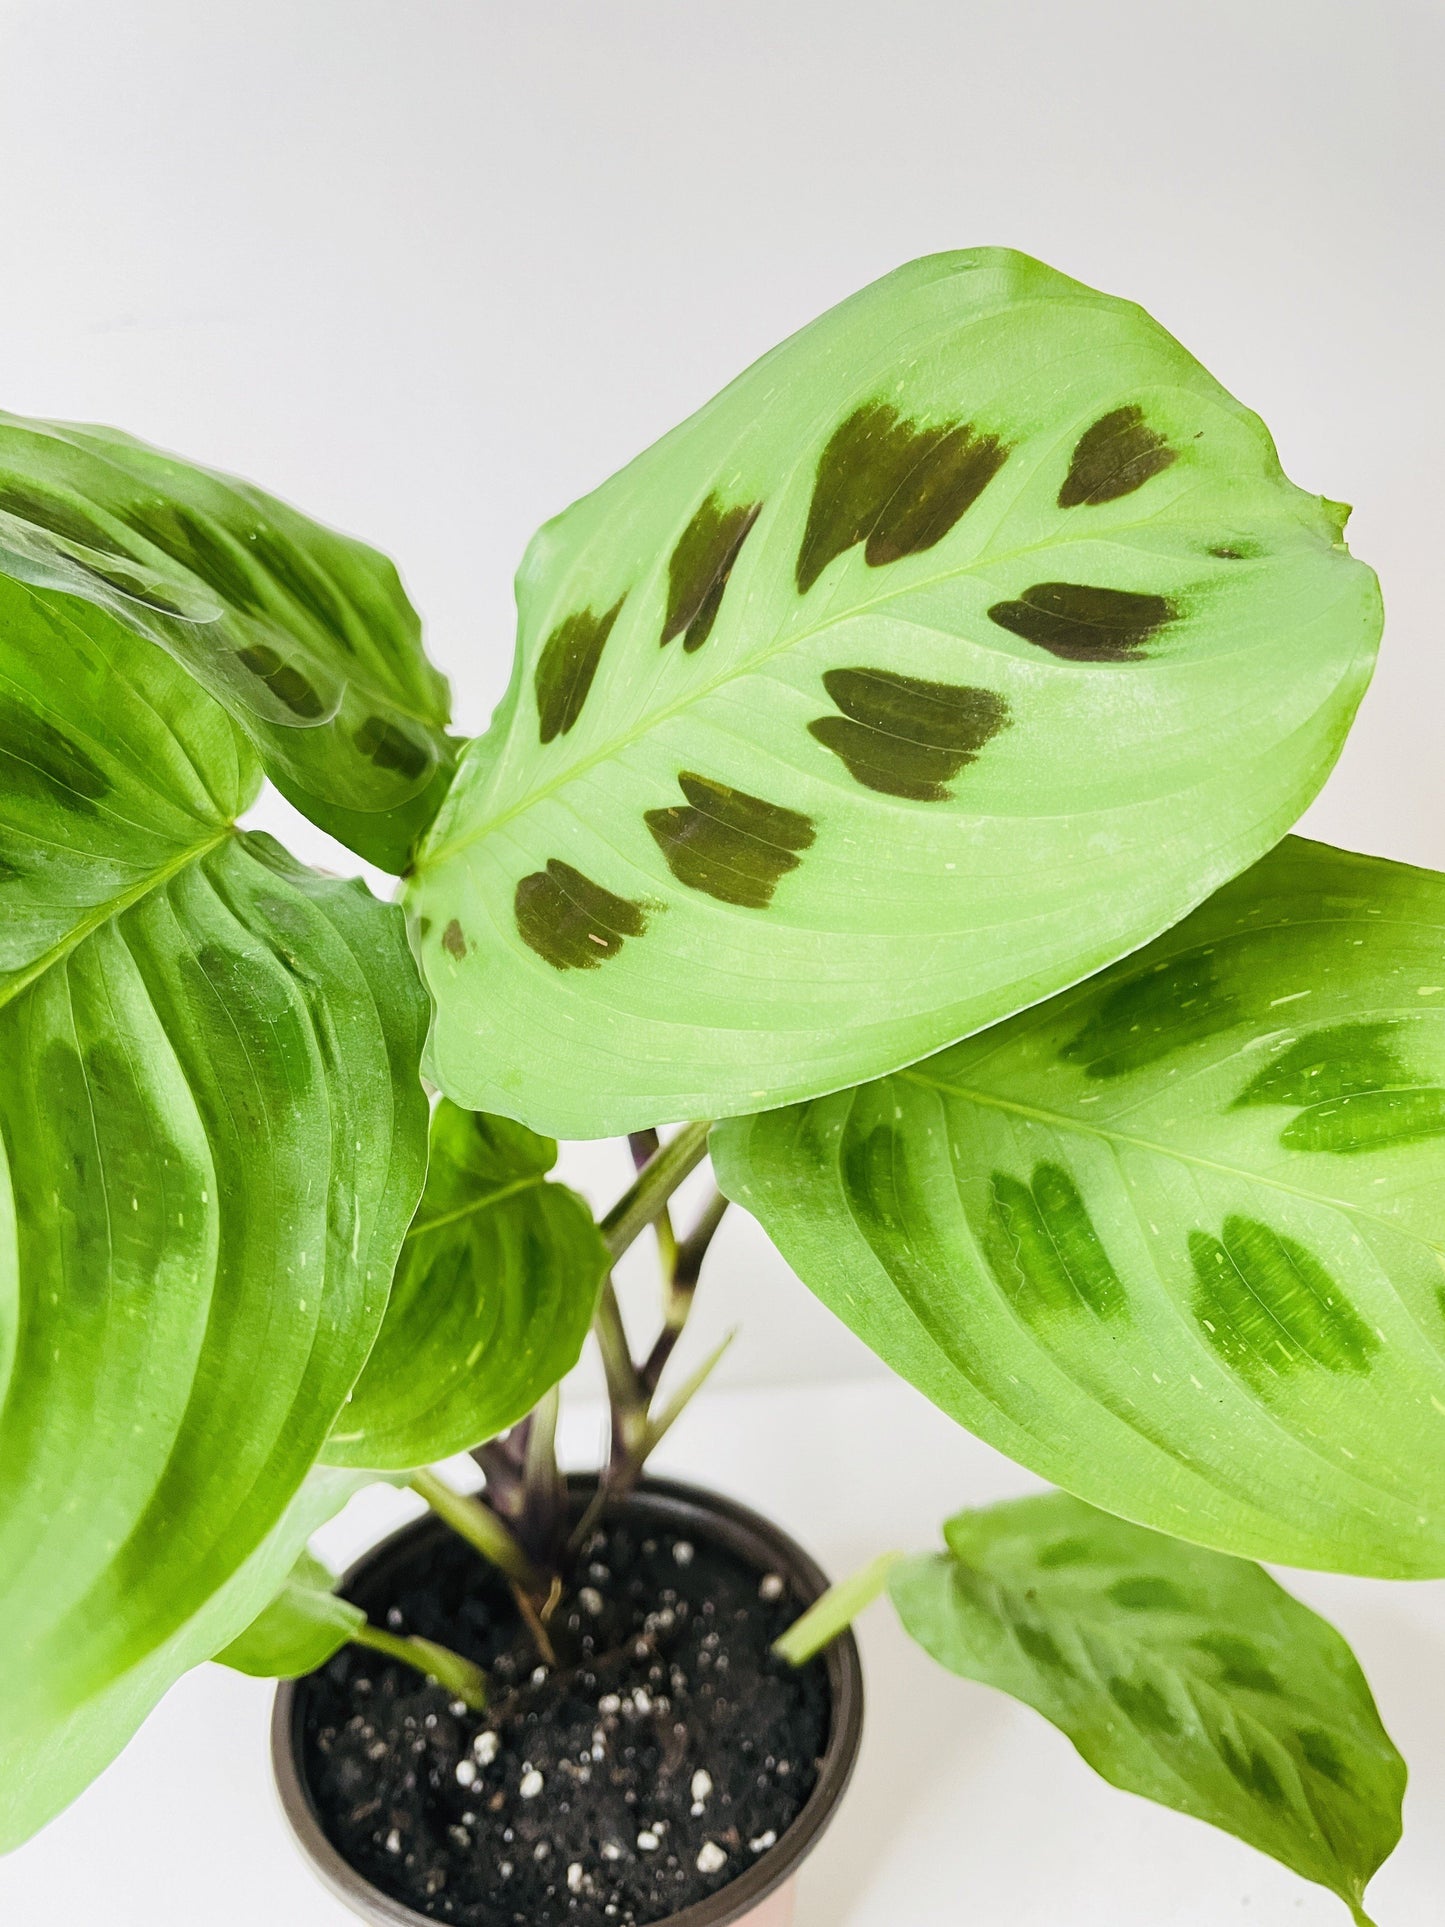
(892, 793)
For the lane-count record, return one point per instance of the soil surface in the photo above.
(665, 1752)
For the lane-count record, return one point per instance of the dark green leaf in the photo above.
(491, 1302)
(1180, 1674)
(214, 1131)
(44, 1766)
(304, 636)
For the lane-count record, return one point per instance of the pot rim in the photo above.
(753, 1537)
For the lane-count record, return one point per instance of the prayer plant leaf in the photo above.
(44, 1766)
(959, 647)
(1176, 1238)
(213, 1137)
(303, 635)
(1179, 1674)
(490, 1305)
(299, 1630)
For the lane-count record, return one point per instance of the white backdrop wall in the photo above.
(432, 268)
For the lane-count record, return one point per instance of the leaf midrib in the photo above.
(1060, 1120)
(106, 912)
(474, 1207)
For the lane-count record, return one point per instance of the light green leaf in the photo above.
(213, 1137)
(958, 648)
(305, 636)
(45, 1766)
(1175, 1239)
(491, 1303)
(1180, 1674)
(299, 1630)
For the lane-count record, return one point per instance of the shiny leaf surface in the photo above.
(213, 1134)
(303, 635)
(491, 1301)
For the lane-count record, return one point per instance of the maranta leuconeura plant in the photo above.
(894, 767)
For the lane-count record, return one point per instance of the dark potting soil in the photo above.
(665, 1753)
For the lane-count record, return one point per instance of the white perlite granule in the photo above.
(711, 1858)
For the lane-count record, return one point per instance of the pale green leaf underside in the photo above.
(491, 1302)
(1179, 1674)
(44, 1767)
(1175, 1239)
(305, 636)
(298, 1630)
(213, 1138)
(1028, 646)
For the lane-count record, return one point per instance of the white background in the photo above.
(432, 268)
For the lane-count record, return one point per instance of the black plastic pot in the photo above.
(761, 1896)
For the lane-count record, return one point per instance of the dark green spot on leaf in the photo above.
(566, 666)
(1270, 1308)
(570, 920)
(1252, 1769)
(1352, 1090)
(895, 485)
(453, 942)
(1144, 1704)
(701, 564)
(1145, 1593)
(1082, 623)
(1240, 1663)
(1044, 1250)
(283, 679)
(1042, 1647)
(1161, 1009)
(1322, 1755)
(903, 736)
(1067, 1552)
(734, 846)
(40, 761)
(1117, 455)
(382, 743)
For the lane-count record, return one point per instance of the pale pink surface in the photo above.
(775, 1911)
